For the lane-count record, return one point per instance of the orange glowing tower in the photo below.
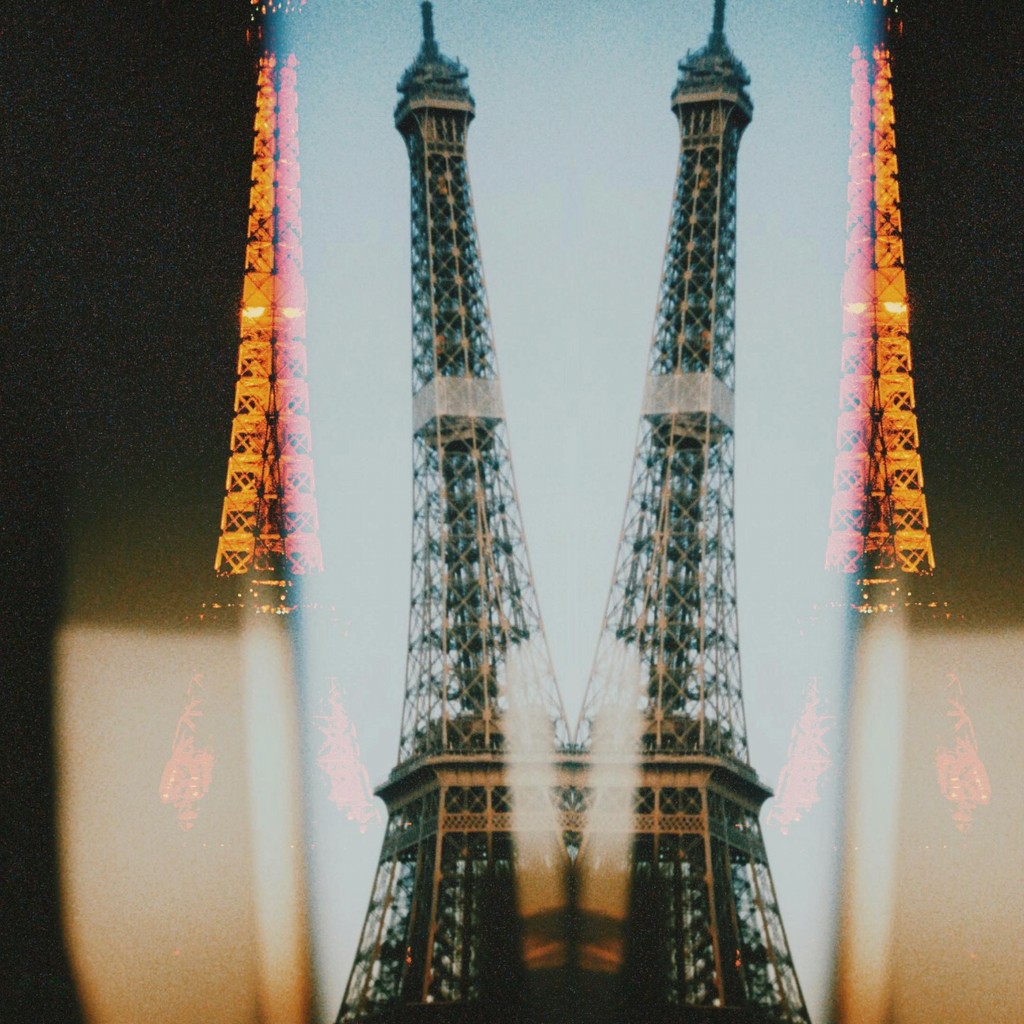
(879, 519)
(269, 522)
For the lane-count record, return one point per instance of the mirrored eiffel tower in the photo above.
(699, 937)
(880, 532)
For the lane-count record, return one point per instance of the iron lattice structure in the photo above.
(269, 528)
(879, 517)
(703, 928)
(441, 925)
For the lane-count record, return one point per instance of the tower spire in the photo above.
(432, 77)
(717, 38)
(427, 12)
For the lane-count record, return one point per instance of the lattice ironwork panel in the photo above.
(472, 590)
(704, 925)
(442, 921)
(674, 587)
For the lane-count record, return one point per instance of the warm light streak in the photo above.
(189, 770)
(606, 852)
(873, 823)
(136, 887)
(340, 761)
(961, 773)
(539, 856)
(807, 760)
(276, 826)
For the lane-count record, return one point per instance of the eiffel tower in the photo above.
(879, 517)
(441, 938)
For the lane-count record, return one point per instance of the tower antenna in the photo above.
(717, 40)
(427, 10)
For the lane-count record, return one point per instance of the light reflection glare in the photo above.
(807, 760)
(962, 777)
(531, 777)
(340, 761)
(607, 844)
(188, 773)
(873, 822)
(276, 830)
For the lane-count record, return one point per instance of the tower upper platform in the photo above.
(713, 73)
(433, 80)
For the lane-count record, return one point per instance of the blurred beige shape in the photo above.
(165, 925)
(872, 822)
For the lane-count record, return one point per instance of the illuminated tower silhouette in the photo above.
(704, 938)
(269, 520)
(441, 927)
(879, 537)
(879, 518)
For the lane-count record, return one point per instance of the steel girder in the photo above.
(472, 590)
(704, 924)
(673, 593)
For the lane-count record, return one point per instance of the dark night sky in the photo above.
(959, 85)
(130, 147)
(126, 138)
